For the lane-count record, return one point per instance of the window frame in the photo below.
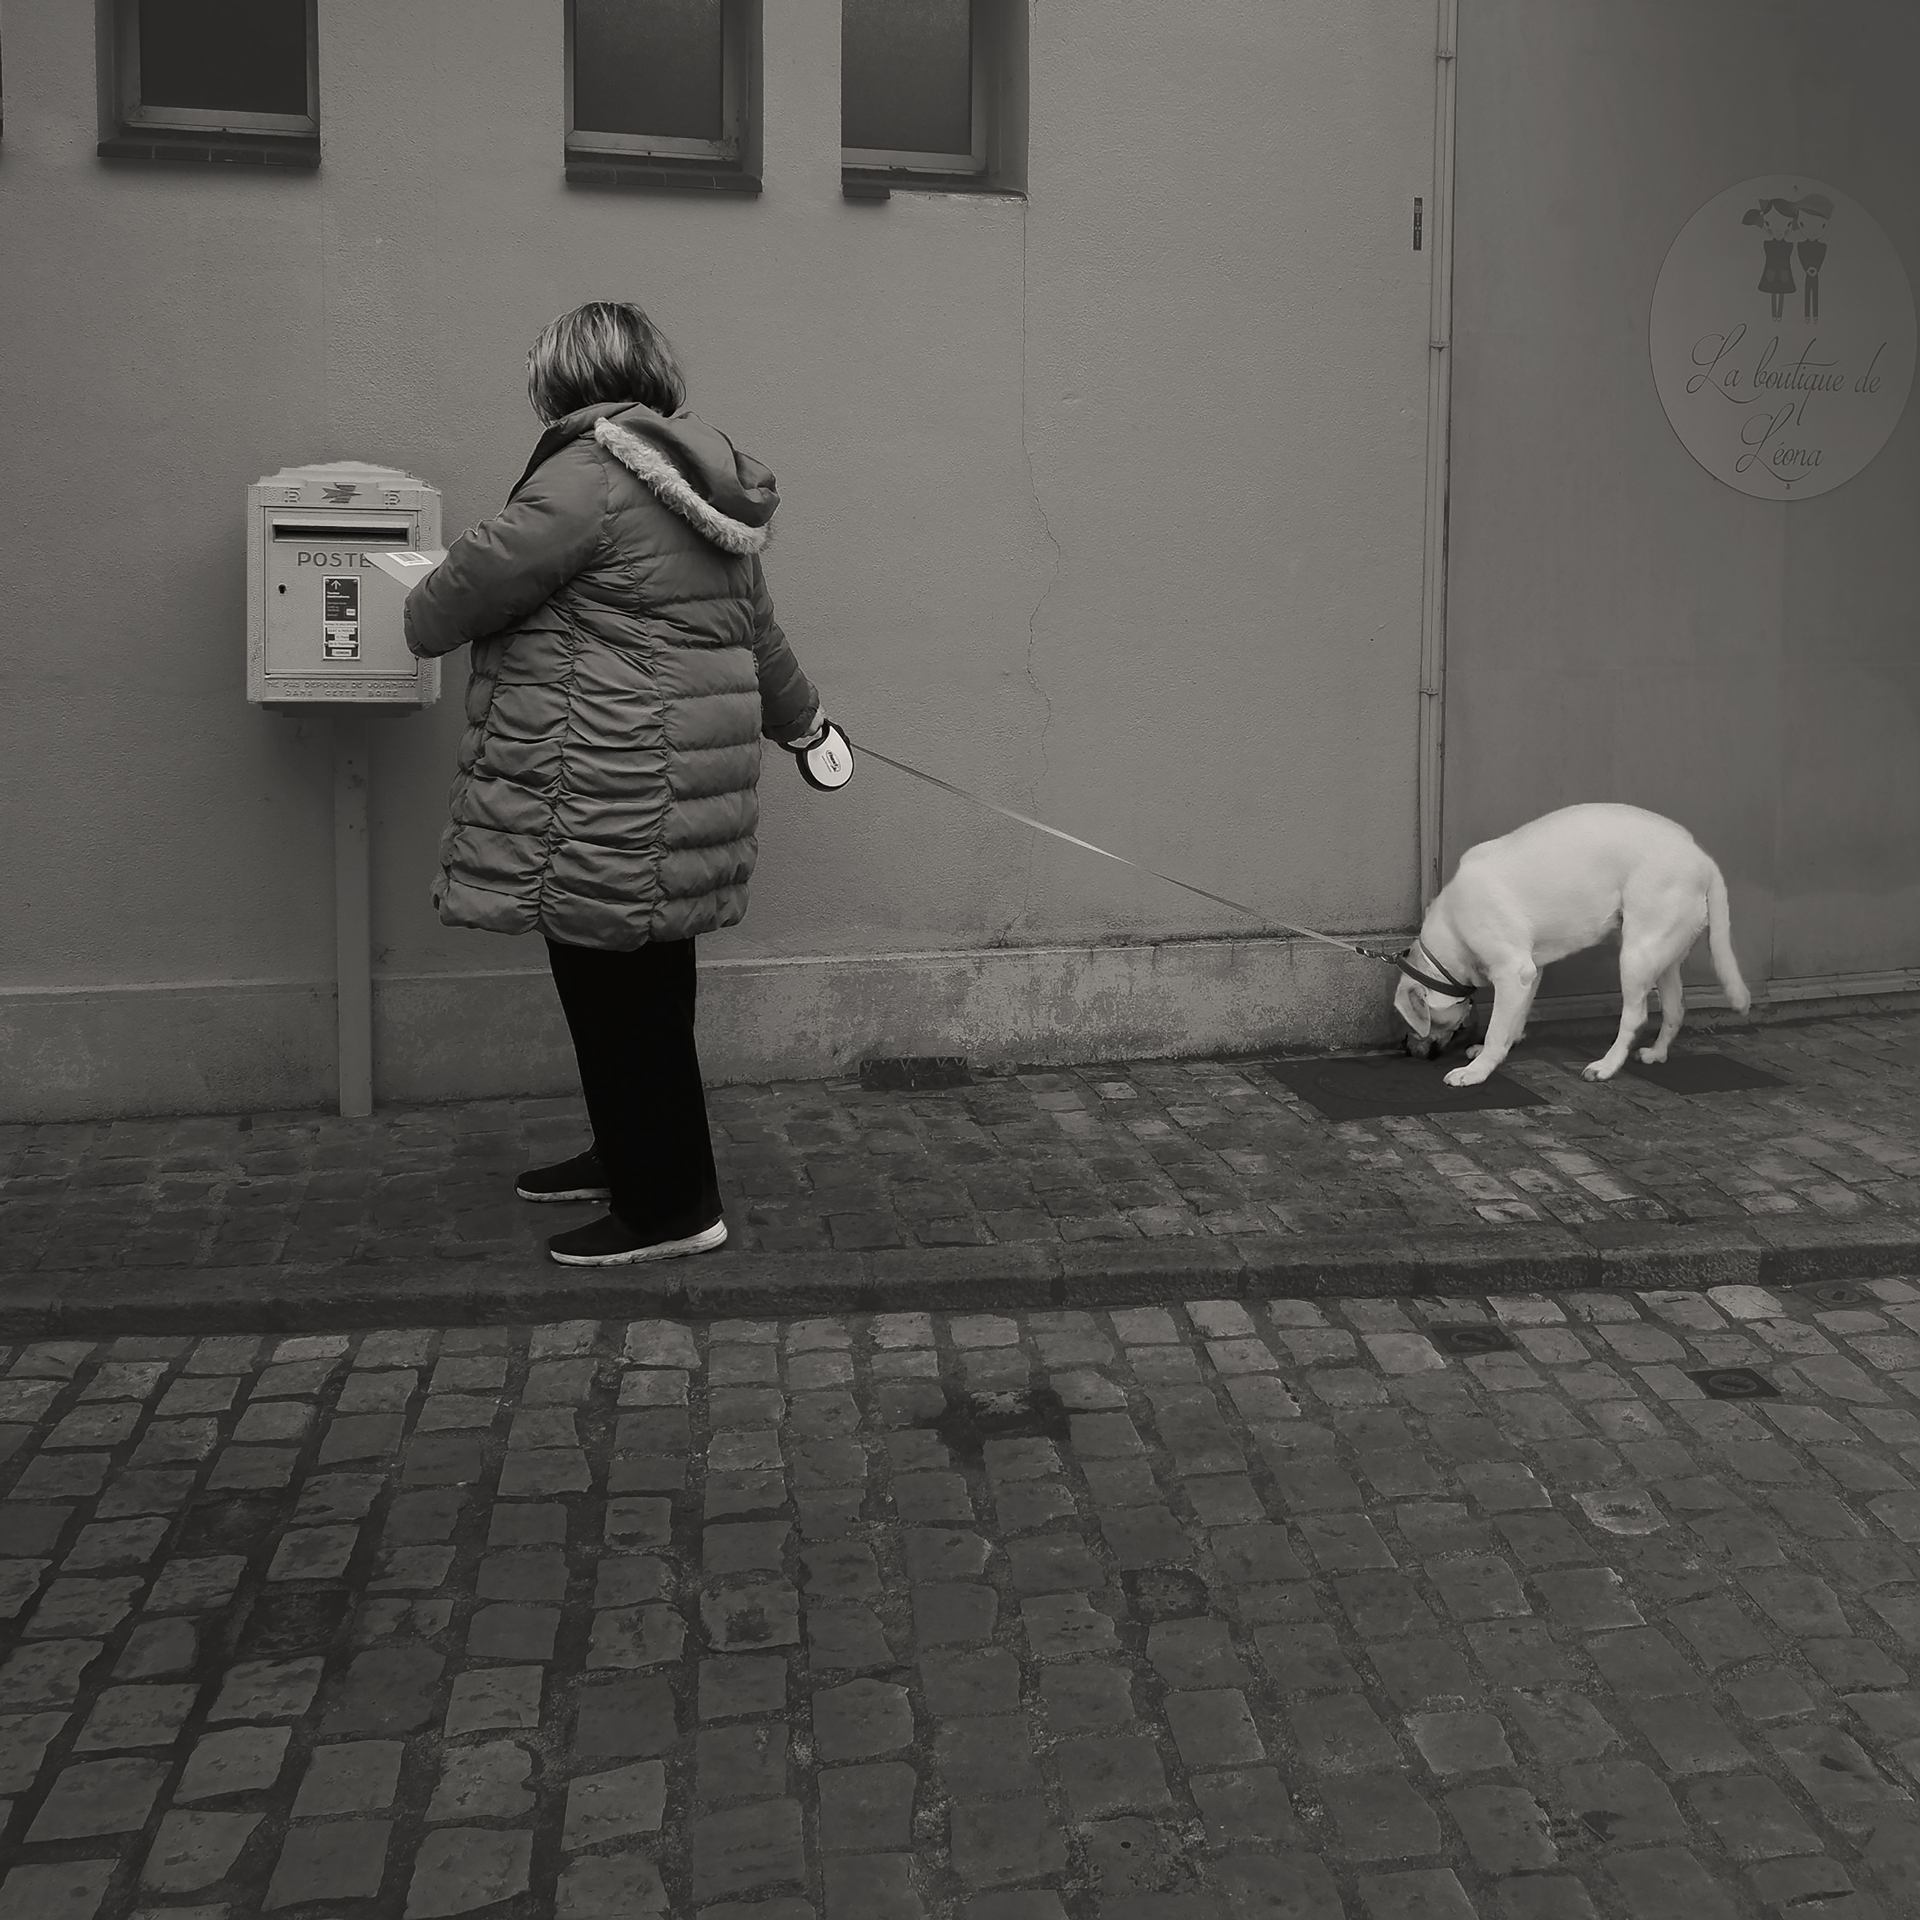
(728, 153)
(902, 162)
(135, 117)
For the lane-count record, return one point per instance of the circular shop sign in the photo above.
(1782, 337)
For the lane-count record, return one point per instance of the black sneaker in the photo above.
(581, 1178)
(610, 1242)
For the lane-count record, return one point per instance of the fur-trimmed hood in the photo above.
(692, 469)
(696, 471)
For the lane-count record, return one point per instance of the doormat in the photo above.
(914, 1073)
(1380, 1086)
(1681, 1072)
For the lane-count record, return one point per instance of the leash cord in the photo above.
(1073, 840)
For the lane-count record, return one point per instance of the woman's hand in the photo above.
(824, 753)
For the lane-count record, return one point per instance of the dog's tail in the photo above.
(1720, 942)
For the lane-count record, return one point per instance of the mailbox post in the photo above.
(324, 638)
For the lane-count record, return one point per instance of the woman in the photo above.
(626, 663)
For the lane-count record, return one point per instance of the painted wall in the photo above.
(1621, 625)
(1107, 501)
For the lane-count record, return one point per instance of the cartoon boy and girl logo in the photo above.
(1791, 227)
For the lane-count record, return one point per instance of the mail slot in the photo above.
(324, 626)
(362, 533)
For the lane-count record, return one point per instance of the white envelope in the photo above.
(409, 568)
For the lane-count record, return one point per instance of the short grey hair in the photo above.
(606, 350)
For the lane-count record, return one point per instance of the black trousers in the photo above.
(631, 1017)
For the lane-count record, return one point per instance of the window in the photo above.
(932, 92)
(219, 63)
(907, 87)
(660, 92)
(222, 79)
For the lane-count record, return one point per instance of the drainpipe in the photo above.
(1433, 571)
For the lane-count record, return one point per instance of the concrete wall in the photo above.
(1621, 625)
(1107, 501)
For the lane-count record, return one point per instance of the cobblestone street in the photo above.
(1054, 1187)
(1396, 1610)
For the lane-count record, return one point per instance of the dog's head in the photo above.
(1433, 1023)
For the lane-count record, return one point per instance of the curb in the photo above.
(1614, 1256)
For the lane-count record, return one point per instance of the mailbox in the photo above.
(323, 622)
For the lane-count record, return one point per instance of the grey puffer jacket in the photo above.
(626, 663)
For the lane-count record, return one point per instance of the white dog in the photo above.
(1558, 885)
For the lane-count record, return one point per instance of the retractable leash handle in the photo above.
(824, 756)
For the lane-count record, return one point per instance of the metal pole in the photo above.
(1433, 585)
(352, 914)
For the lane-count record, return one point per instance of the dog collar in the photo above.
(1446, 986)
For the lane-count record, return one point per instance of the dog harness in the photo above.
(1446, 986)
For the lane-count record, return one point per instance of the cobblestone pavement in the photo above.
(1153, 1153)
(1389, 1610)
